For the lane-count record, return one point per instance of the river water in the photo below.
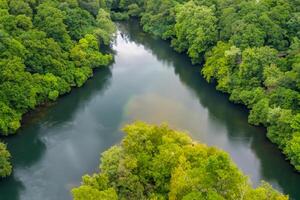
(150, 82)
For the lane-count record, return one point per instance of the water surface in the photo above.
(148, 82)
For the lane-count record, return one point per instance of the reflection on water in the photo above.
(149, 82)
(156, 108)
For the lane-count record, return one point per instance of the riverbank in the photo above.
(48, 48)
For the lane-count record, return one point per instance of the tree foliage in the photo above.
(5, 166)
(46, 47)
(195, 30)
(156, 162)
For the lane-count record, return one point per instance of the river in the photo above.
(150, 82)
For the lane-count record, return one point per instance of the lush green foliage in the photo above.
(47, 47)
(250, 49)
(5, 166)
(156, 162)
(202, 22)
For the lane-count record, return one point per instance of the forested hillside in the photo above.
(156, 162)
(46, 48)
(249, 49)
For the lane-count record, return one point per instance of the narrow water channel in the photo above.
(148, 82)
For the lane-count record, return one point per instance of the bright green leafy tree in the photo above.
(156, 162)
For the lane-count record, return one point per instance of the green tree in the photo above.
(5, 166)
(156, 162)
(293, 150)
(247, 35)
(253, 62)
(79, 22)
(106, 28)
(220, 64)
(18, 7)
(259, 113)
(9, 119)
(86, 53)
(51, 20)
(195, 30)
(159, 17)
(90, 5)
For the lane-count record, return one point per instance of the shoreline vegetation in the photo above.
(47, 48)
(156, 162)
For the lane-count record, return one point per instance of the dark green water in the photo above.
(149, 82)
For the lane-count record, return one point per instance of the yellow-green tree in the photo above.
(5, 166)
(156, 162)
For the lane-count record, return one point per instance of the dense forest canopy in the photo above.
(46, 47)
(156, 162)
(250, 49)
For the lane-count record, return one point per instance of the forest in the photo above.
(46, 48)
(248, 49)
(156, 162)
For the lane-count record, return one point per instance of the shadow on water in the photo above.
(273, 166)
(27, 147)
